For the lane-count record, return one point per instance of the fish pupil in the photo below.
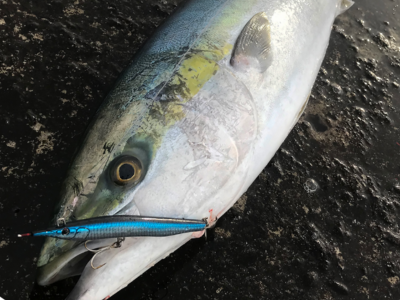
(126, 171)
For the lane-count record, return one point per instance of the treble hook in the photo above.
(59, 222)
(116, 244)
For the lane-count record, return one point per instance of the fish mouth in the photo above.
(68, 264)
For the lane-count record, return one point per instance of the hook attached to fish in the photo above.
(116, 244)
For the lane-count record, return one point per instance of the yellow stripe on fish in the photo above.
(193, 73)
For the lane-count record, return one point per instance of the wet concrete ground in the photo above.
(320, 222)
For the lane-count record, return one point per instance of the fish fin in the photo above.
(253, 46)
(344, 5)
(301, 111)
(303, 108)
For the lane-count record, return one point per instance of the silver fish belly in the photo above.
(198, 114)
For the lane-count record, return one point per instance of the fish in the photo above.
(119, 226)
(187, 128)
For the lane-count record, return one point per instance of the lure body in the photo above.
(121, 226)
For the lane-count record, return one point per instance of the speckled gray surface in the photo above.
(284, 239)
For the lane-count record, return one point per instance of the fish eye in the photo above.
(65, 231)
(126, 170)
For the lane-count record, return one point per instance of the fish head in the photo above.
(105, 172)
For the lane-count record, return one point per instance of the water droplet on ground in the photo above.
(337, 89)
(311, 185)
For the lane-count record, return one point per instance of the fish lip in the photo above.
(51, 272)
(43, 280)
(67, 264)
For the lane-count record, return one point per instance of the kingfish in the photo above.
(189, 125)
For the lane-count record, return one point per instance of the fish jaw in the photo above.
(123, 265)
(68, 263)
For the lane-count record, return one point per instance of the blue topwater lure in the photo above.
(120, 226)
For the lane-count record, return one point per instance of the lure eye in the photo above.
(126, 170)
(65, 231)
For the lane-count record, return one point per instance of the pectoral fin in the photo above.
(253, 47)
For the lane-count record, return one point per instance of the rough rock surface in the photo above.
(320, 222)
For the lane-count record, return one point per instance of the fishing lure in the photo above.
(120, 226)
